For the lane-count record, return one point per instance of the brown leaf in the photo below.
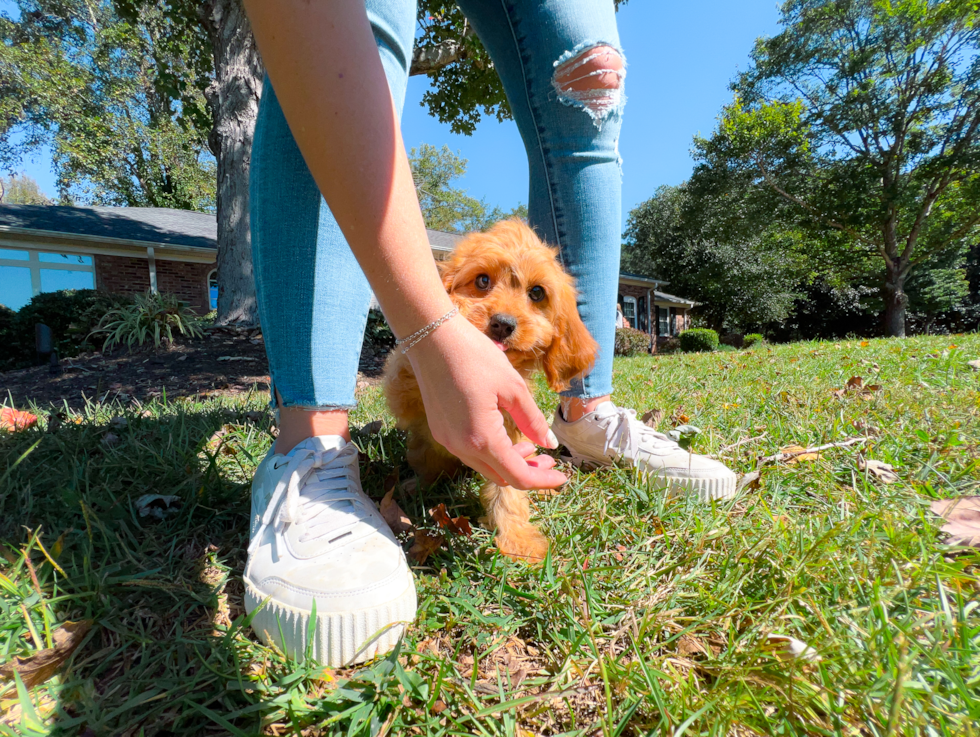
(797, 454)
(39, 667)
(652, 418)
(750, 481)
(854, 383)
(962, 515)
(456, 525)
(426, 543)
(372, 428)
(439, 707)
(689, 645)
(397, 520)
(881, 471)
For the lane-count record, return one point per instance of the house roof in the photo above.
(664, 297)
(144, 224)
(624, 276)
(152, 225)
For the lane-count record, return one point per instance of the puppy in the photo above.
(509, 285)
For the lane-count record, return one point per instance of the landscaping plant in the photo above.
(151, 317)
(753, 339)
(631, 342)
(698, 340)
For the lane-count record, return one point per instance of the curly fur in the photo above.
(549, 336)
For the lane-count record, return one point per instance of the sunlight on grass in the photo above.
(651, 614)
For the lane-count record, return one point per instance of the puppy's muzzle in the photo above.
(502, 326)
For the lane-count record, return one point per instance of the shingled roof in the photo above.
(144, 224)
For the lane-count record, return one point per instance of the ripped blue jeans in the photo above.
(313, 297)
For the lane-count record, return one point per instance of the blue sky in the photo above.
(681, 56)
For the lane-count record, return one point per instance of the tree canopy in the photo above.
(20, 189)
(861, 118)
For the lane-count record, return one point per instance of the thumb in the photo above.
(528, 418)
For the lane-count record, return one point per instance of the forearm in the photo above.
(329, 80)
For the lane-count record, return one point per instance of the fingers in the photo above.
(517, 472)
(528, 418)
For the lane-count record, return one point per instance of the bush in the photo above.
(670, 345)
(753, 339)
(377, 334)
(150, 316)
(71, 314)
(630, 342)
(697, 340)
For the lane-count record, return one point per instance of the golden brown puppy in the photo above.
(509, 285)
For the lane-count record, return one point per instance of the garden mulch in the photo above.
(226, 362)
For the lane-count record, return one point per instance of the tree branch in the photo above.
(426, 59)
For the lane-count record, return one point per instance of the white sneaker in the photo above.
(611, 435)
(317, 538)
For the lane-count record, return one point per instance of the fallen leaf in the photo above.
(372, 428)
(797, 453)
(975, 365)
(962, 515)
(15, 419)
(750, 481)
(157, 506)
(426, 543)
(457, 525)
(652, 418)
(39, 667)
(785, 647)
(881, 471)
(439, 707)
(854, 383)
(397, 520)
(689, 645)
(865, 344)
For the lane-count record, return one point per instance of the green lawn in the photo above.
(650, 616)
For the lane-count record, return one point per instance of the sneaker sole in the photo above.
(340, 639)
(704, 489)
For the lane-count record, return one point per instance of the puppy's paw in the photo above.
(527, 544)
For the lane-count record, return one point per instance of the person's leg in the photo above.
(325, 576)
(563, 72)
(313, 298)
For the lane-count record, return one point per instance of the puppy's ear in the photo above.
(573, 350)
(447, 270)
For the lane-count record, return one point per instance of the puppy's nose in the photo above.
(501, 326)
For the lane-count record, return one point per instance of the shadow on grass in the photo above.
(170, 651)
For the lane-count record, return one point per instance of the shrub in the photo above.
(630, 342)
(377, 334)
(753, 339)
(150, 316)
(697, 340)
(670, 345)
(71, 314)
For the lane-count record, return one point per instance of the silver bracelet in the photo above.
(422, 333)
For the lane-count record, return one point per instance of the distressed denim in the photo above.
(313, 297)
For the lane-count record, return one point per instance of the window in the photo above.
(24, 274)
(629, 310)
(213, 289)
(663, 321)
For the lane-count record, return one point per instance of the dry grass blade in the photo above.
(792, 452)
(36, 669)
(962, 517)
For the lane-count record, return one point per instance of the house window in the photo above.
(629, 310)
(642, 317)
(213, 289)
(663, 321)
(24, 274)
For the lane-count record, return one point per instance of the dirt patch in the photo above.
(225, 362)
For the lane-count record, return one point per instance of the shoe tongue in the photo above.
(605, 409)
(320, 443)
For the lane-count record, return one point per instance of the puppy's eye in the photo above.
(483, 282)
(536, 294)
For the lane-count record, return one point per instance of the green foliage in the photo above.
(630, 342)
(20, 189)
(71, 314)
(151, 317)
(378, 334)
(445, 207)
(698, 340)
(743, 272)
(753, 339)
(858, 122)
(669, 345)
(90, 83)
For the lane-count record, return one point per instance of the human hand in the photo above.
(466, 381)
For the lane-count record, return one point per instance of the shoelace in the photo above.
(625, 433)
(310, 501)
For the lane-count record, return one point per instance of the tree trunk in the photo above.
(234, 101)
(895, 298)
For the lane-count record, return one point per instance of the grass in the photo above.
(650, 616)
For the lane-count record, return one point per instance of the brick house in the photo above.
(648, 309)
